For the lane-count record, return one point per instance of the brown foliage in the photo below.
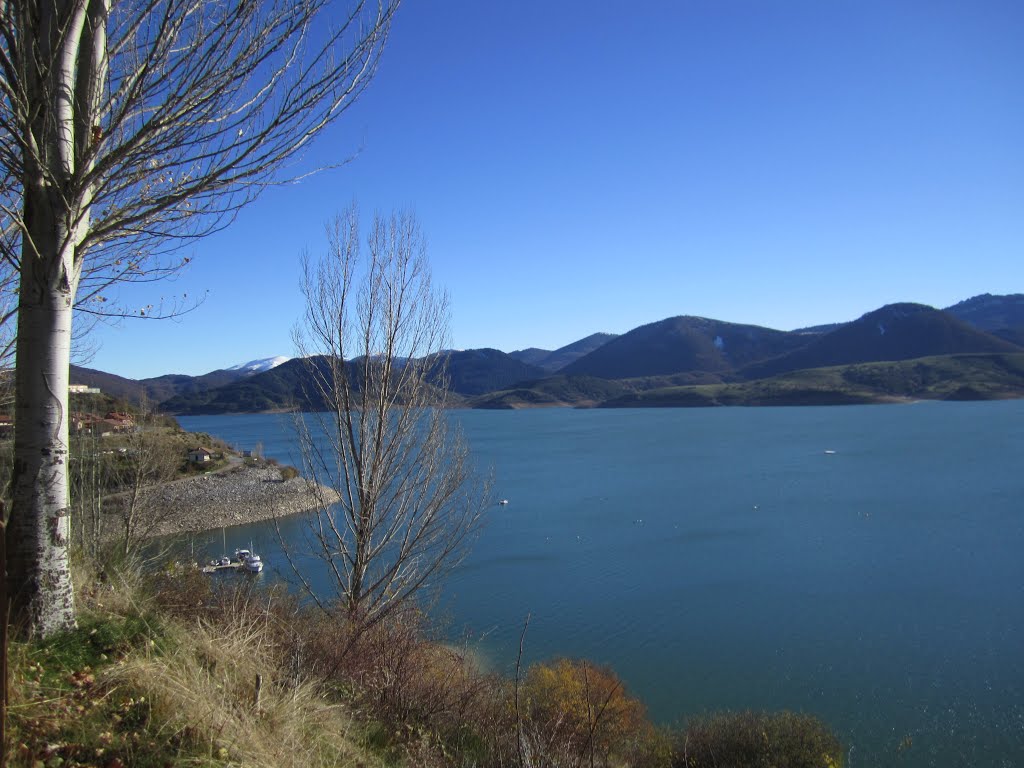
(428, 704)
(583, 712)
(758, 740)
(430, 699)
(405, 678)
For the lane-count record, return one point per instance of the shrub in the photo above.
(583, 710)
(421, 703)
(758, 740)
(289, 473)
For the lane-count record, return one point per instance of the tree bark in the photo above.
(38, 533)
(64, 73)
(5, 616)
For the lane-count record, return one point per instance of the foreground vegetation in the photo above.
(175, 669)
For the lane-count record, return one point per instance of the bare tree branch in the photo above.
(186, 111)
(126, 127)
(410, 502)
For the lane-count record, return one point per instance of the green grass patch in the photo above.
(98, 641)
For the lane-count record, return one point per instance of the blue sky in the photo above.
(589, 166)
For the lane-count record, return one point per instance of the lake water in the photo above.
(722, 558)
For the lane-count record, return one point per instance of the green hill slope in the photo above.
(948, 377)
(894, 332)
(553, 391)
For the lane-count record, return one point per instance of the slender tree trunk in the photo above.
(64, 71)
(132, 504)
(38, 533)
(5, 616)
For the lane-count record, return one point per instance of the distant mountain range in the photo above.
(894, 332)
(991, 313)
(560, 358)
(971, 350)
(259, 366)
(159, 390)
(681, 345)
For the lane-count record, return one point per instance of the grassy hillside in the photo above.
(582, 391)
(553, 391)
(952, 377)
(894, 332)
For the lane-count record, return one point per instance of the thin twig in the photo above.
(519, 719)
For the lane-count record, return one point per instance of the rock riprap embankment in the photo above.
(233, 497)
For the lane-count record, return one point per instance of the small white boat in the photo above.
(248, 560)
(503, 502)
(219, 564)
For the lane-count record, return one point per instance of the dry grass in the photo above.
(202, 692)
(138, 685)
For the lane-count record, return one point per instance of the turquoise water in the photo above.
(720, 558)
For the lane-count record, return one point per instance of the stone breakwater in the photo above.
(236, 496)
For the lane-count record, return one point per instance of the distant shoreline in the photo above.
(690, 399)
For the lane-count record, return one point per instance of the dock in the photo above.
(215, 568)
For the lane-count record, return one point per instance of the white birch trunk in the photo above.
(39, 577)
(65, 80)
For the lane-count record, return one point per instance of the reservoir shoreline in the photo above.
(237, 496)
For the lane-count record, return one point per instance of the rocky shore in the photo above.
(241, 494)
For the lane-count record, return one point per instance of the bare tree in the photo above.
(8, 320)
(125, 127)
(8, 309)
(410, 503)
(151, 458)
(90, 479)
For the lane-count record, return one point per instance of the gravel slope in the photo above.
(236, 496)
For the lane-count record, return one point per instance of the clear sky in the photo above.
(582, 166)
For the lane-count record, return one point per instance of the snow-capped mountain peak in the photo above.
(259, 366)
